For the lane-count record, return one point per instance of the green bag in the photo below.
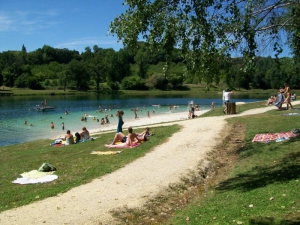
(46, 167)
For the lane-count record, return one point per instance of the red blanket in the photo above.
(272, 136)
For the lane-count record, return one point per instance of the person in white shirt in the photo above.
(226, 99)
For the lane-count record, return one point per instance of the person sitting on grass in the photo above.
(69, 138)
(131, 140)
(271, 100)
(85, 134)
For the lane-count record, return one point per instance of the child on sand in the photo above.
(213, 106)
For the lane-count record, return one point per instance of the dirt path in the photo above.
(129, 186)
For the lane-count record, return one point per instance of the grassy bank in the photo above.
(75, 165)
(248, 183)
(190, 89)
(260, 184)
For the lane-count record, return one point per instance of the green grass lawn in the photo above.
(261, 187)
(75, 165)
(190, 89)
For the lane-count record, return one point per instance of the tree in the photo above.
(11, 64)
(133, 83)
(142, 60)
(204, 30)
(77, 72)
(98, 68)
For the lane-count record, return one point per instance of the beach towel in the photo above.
(273, 136)
(61, 142)
(279, 100)
(105, 153)
(122, 145)
(34, 176)
(291, 114)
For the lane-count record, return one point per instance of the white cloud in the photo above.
(5, 22)
(27, 22)
(81, 44)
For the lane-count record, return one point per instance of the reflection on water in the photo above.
(16, 110)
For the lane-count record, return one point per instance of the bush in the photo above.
(133, 83)
(113, 85)
(28, 81)
(157, 81)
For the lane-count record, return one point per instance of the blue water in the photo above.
(16, 110)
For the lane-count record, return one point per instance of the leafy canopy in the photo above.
(207, 32)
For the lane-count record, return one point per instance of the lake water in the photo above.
(16, 110)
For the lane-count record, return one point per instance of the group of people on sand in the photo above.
(129, 140)
(193, 108)
(284, 95)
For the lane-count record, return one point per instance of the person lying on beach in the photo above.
(131, 140)
(145, 134)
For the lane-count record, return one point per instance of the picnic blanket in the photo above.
(105, 153)
(60, 142)
(273, 136)
(35, 176)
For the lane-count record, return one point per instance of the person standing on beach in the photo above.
(120, 121)
(135, 114)
(288, 93)
(226, 99)
(213, 106)
(148, 114)
(52, 125)
(63, 125)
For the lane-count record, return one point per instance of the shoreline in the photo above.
(143, 122)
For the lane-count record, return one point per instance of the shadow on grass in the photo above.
(250, 150)
(271, 221)
(285, 170)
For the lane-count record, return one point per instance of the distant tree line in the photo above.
(135, 69)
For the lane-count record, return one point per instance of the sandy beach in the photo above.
(135, 183)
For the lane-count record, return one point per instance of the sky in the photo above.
(71, 24)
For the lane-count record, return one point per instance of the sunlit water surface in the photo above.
(15, 110)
